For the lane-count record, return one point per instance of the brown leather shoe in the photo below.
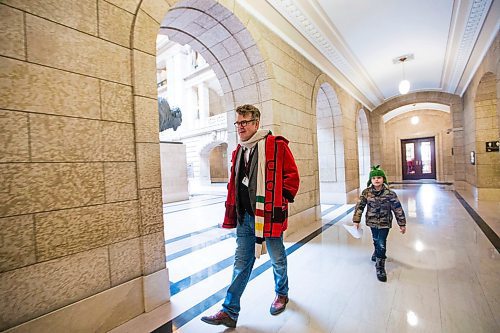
(279, 304)
(220, 318)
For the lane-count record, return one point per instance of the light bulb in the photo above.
(404, 87)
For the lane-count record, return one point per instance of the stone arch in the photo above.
(456, 111)
(330, 142)
(486, 128)
(228, 46)
(363, 135)
(414, 107)
(224, 42)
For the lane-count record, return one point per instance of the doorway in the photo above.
(418, 158)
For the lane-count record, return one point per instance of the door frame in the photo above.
(433, 174)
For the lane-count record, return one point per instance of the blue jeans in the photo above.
(380, 241)
(244, 259)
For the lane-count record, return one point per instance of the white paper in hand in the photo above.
(355, 232)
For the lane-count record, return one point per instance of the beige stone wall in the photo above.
(482, 123)
(432, 124)
(81, 214)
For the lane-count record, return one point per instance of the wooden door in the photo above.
(419, 158)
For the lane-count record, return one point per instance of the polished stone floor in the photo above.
(443, 274)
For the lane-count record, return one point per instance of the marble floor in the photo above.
(443, 274)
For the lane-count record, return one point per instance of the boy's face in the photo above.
(377, 181)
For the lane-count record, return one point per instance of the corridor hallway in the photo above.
(442, 274)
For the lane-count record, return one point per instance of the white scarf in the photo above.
(259, 135)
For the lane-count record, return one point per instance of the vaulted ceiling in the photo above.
(357, 41)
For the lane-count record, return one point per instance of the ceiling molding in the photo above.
(312, 22)
(487, 36)
(307, 27)
(467, 21)
(277, 22)
(357, 73)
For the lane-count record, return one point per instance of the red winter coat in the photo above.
(282, 184)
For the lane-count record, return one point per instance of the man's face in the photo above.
(247, 131)
(377, 181)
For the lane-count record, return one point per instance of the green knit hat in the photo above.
(376, 172)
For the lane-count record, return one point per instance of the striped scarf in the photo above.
(259, 139)
(260, 244)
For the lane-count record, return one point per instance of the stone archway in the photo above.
(229, 48)
(362, 130)
(224, 42)
(454, 102)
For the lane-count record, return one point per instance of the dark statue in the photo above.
(169, 118)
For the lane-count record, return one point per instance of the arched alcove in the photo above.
(330, 146)
(217, 160)
(205, 157)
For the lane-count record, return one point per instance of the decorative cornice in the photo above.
(477, 13)
(463, 53)
(310, 30)
(291, 11)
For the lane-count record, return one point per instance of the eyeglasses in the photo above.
(243, 123)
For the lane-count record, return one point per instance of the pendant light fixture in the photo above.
(404, 85)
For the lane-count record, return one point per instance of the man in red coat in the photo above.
(264, 179)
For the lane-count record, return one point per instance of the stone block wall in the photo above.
(81, 198)
(481, 111)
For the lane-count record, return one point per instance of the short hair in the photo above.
(248, 109)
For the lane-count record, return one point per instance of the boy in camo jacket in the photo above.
(381, 202)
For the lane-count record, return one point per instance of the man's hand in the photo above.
(356, 224)
(402, 229)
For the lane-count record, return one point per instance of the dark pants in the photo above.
(379, 241)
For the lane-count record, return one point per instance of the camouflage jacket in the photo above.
(380, 205)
